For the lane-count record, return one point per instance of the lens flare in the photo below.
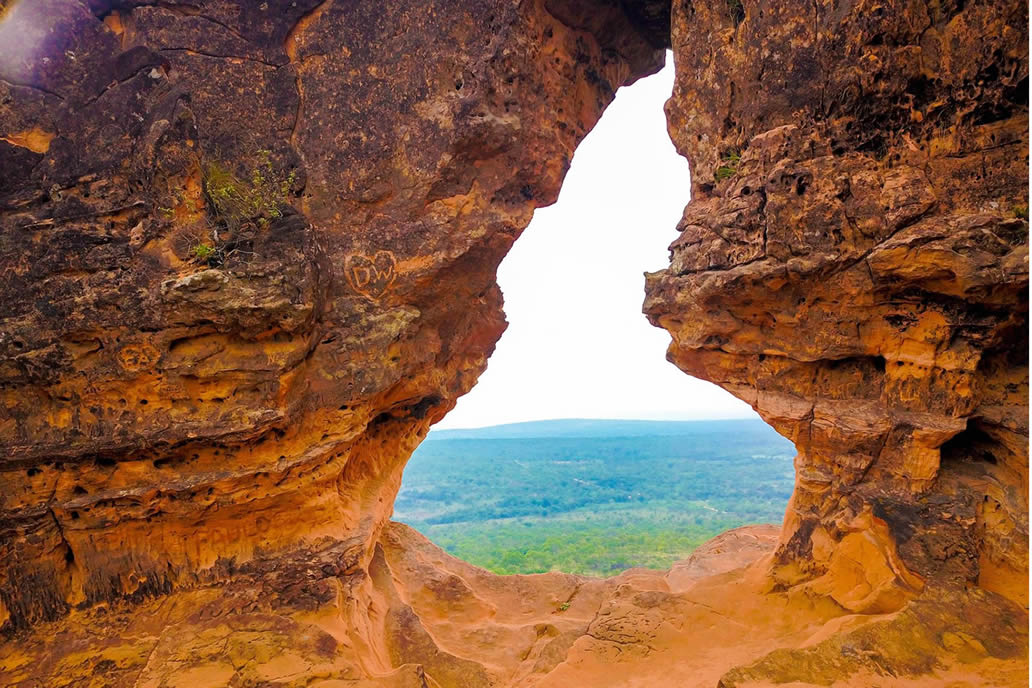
(25, 30)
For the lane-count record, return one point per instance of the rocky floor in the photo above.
(248, 256)
(423, 618)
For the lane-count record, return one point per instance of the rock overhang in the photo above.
(853, 264)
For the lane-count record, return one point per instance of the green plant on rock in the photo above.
(729, 165)
(257, 199)
(1021, 211)
(203, 252)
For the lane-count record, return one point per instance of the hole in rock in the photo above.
(547, 480)
(970, 445)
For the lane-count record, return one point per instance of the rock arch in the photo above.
(249, 256)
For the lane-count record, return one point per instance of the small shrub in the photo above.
(236, 202)
(203, 252)
(1021, 211)
(564, 606)
(731, 160)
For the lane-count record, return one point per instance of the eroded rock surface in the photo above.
(854, 264)
(248, 257)
(418, 618)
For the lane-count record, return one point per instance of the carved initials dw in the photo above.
(371, 277)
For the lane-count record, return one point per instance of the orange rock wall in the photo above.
(854, 264)
(248, 257)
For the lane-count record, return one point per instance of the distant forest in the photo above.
(593, 497)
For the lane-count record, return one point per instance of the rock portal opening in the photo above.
(579, 496)
(248, 254)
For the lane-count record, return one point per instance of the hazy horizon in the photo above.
(754, 416)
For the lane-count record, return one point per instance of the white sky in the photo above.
(578, 345)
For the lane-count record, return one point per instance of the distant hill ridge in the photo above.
(591, 427)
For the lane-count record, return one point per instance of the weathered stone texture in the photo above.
(248, 257)
(854, 264)
(356, 172)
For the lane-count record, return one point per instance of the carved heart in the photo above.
(371, 277)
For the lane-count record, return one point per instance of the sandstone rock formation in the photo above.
(248, 258)
(854, 264)
(420, 618)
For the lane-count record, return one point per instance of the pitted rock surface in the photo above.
(854, 264)
(249, 256)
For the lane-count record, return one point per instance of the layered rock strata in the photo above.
(421, 619)
(249, 254)
(248, 259)
(854, 264)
